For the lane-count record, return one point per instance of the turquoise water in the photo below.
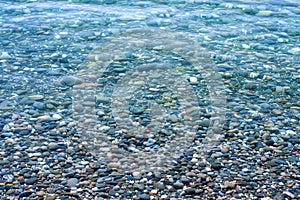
(141, 85)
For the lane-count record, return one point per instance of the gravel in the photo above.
(89, 113)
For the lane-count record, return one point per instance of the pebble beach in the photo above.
(179, 99)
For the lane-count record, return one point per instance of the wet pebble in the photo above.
(31, 180)
(45, 152)
(72, 182)
(70, 80)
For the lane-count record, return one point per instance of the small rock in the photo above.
(40, 193)
(190, 191)
(178, 185)
(193, 79)
(159, 186)
(36, 97)
(289, 194)
(216, 165)
(173, 118)
(229, 185)
(225, 149)
(205, 123)
(137, 109)
(72, 182)
(144, 196)
(113, 165)
(263, 158)
(5, 55)
(139, 186)
(39, 105)
(276, 112)
(5, 134)
(253, 75)
(136, 174)
(295, 51)
(51, 197)
(44, 118)
(56, 117)
(245, 46)
(25, 194)
(265, 106)
(264, 13)
(31, 180)
(10, 191)
(102, 99)
(70, 80)
(112, 192)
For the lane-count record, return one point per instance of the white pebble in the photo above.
(5, 55)
(193, 79)
(253, 75)
(56, 117)
(295, 51)
(291, 195)
(44, 117)
(290, 132)
(245, 46)
(135, 173)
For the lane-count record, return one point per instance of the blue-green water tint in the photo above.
(253, 47)
(53, 38)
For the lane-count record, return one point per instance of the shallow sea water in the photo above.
(200, 89)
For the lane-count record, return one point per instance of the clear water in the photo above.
(232, 47)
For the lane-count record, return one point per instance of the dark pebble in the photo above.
(112, 192)
(178, 185)
(137, 110)
(159, 186)
(70, 80)
(31, 181)
(25, 194)
(39, 105)
(57, 146)
(190, 191)
(144, 196)
(216, 165)
(269, 142)
(205, 123)
(6, 134)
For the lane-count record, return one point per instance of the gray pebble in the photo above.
(10, 191)
(4, 162)
(38, 105)
(31, 181)
(190, 191)
(144, 196)
(158, 185)
(72, 182)
(178, 185)
(205, 123)
(70, 80)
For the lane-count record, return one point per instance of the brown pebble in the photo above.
(229, 185)
(276, 112)
(233, 131)
(254, 142)
(50, 198)
(263, 158)
(113, 165)
(34, 158)
(233, 138)
(224, 149)
(40, 193)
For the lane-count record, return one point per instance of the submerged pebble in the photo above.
(66, 135)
